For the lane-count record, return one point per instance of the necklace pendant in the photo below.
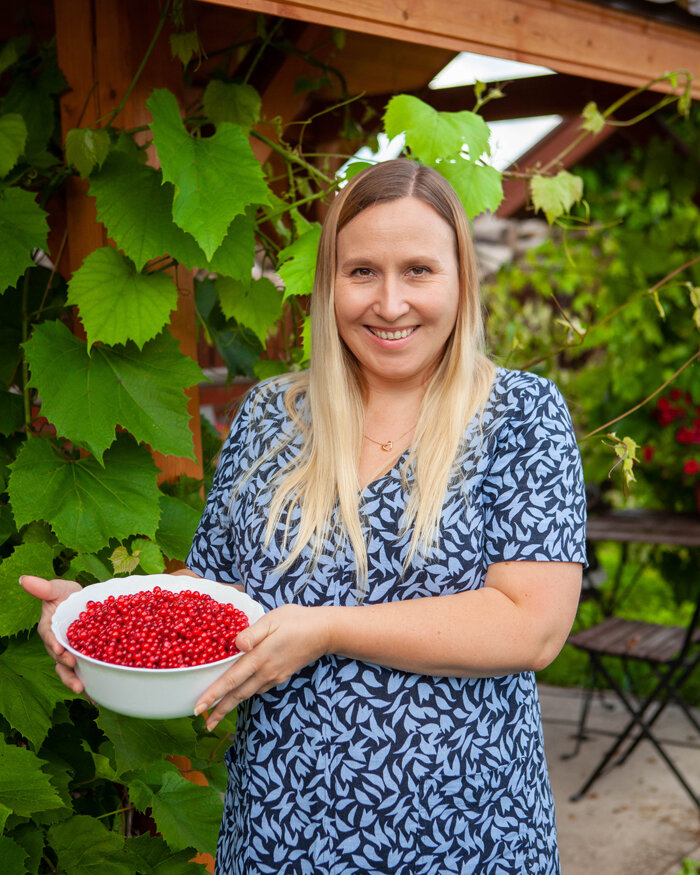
(387, 447)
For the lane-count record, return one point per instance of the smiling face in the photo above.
(396, 290)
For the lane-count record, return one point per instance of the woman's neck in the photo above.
(389, 424)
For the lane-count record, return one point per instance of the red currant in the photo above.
(158, 629)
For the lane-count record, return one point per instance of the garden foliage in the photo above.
(610, 311)
(92, 383)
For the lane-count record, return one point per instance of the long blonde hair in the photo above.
(326, 402)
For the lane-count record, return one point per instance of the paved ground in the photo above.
(637, 819)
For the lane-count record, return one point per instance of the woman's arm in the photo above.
(518, 621)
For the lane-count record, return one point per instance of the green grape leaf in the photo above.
(85, 504)
(236, 255)
(151, 856)
(231, 102)
(30, 688)
(186, 814)
(86, 149)
(7, 525)
(184, 45)
(23, 786)
(31, 97)
(178, 523)
(23, 227)
(297, 263)
(355, 167)
(32, 840)
(265, 368)
(626, 452)
(20, 611)
(432, 135)
(593, 119)
(88, 568)
(85, 847)
(555, 195)
(12, 51)
(479, 186)
(86, 396)
(122, 187)
(139, 742)
(148, 556)
(13, 857)
(13, 138)
(306, 339)
(11, 412)
(304, 83)
(215, 178)
(122, 561)
(118, 304)
(39, 533)
(256, 305)
(694, 293)
(5, 812)
(103, 765)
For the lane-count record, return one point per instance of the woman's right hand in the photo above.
(52, 593)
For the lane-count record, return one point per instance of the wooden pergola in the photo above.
(597, 52)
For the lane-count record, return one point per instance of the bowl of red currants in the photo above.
(150, 645)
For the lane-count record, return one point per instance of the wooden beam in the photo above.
(569, 36)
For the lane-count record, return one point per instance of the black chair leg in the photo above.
(637, 716)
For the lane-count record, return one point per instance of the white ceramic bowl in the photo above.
(147, 692)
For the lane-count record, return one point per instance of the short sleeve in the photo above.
(211, 554)
(534, 495)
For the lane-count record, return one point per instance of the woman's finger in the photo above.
(231, 682)
(225, 706)
(69, 678)
(255, 634)
(52, 593)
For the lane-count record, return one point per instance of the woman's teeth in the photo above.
(392, 335)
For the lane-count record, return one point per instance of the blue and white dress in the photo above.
(349, 767)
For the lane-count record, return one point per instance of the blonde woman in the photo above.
(413, 520)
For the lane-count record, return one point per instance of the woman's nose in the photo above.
(391, 301)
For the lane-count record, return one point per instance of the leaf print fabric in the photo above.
(350, 767)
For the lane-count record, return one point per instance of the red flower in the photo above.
(684, 436)
(691, 466)
(648, 453)
(676, 394)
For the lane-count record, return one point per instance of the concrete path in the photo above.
(637, 819)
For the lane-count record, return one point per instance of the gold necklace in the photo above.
(388, 446)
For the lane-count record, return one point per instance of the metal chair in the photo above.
(670, 652)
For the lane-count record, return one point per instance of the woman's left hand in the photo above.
(277, 645)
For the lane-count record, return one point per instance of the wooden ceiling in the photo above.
(569, 36)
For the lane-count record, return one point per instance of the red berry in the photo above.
(158, 629)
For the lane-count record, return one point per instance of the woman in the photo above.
(412, 518)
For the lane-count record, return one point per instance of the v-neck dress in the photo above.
(350, 767)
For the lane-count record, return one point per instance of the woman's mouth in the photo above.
(394, 334)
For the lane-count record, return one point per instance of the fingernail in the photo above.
(198, 709)
(211, 725)
(20, 579)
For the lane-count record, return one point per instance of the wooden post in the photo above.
(100, 45)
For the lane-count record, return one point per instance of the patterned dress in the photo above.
(349, 767)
